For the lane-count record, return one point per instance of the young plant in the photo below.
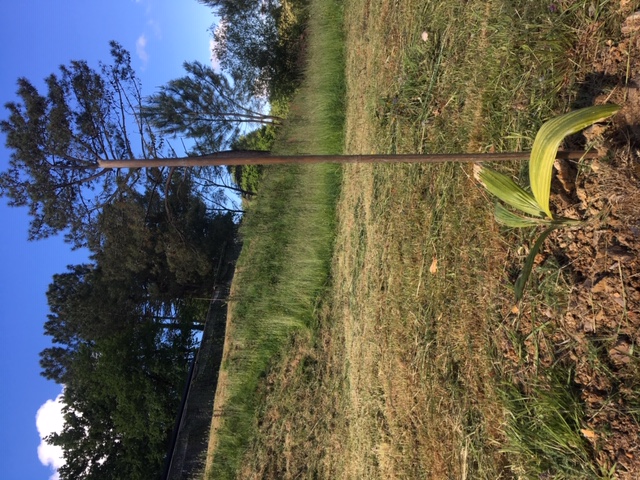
(534, 203)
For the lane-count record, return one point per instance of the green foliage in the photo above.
(258, 44)
(543, 155)
(261, 139)
(122, 328)
(247, 177)
(169, 243)
(206, 107)
(282, 271)
(291, 21)
(508, 191)
(58, 138)
(122, 373)
(547, 141)
(316, 117)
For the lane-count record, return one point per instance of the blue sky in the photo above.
(36, 36)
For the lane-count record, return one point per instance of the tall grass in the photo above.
(281, 273)
(287, 240)
(316, 118)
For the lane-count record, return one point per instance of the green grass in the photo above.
(315, 121)
(543, 431)
(489, 74)
(287, 236)
(281, 274)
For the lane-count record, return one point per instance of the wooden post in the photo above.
(265, 158)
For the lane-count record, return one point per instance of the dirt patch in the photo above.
(602, 322)
(598, 334)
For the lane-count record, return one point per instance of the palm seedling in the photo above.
(533, 202)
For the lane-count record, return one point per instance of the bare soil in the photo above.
(598, 334)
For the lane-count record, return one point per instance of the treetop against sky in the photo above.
(36, 37)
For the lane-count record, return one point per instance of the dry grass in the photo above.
(420, 401)
(416, 265)
(397, 383)
(401, 376)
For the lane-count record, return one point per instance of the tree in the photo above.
(74, 149)
(121, 387)
(205, 106)
(144, 271)
(246, 44)
(59, 139)
(120, 406)
(246, 41)
(120, 357)
(166, 240)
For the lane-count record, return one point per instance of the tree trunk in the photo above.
(250, 157)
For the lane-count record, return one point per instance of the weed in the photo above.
(536, 202)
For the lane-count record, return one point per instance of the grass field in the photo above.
(417, 363)
(287, 234)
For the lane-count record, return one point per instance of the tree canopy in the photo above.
(63, 140)
(122, 329)
(258, 42)
(207, 107)
(58, 139)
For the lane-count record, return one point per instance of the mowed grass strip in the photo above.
(287, 235)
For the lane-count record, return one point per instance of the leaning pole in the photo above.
(243, 157)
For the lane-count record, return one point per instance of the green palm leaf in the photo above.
(508, 191)
(513, 220)
(547, 141)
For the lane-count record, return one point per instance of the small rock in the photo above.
(589, 324)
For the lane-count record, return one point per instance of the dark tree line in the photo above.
(123, 326)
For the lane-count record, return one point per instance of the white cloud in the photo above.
(141, 49)
(155, 27)
(49, 419)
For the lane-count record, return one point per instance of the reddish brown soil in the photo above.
(598, 334)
